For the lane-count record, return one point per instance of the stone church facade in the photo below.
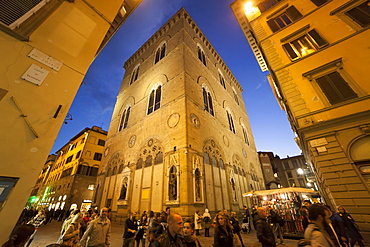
(179, 134)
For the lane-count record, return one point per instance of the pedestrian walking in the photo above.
(246, 227)
(130, 229)
(276, 222)
(351, 227)
(37, 221)
(71, 237)
(188, 231)
(142, 230)
(264, 232)
(315, 232)
(207, 222)
(98, 231)
(197, 222)
(172, 235)
(223, 233)
(236, 227)
(19, 236)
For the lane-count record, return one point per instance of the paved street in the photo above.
(49, 234)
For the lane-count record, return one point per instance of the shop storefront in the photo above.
(287, 202)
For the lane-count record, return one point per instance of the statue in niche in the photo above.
(233, 189)
(172, 186)
(122, 196)
(198, 196)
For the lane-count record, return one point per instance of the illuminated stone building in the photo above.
(71, 180)
(317, 53)
(46, 48)
(179, 134)
(41, 180)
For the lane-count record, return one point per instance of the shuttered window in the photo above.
(14, 12)
(360, 14)
(267, 5)
(319, 2)
(335, 88)
(304, 45)
(290, 15)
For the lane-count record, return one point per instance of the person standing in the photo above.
(236, 227)
(98, 231)
(188, 232)
(19, 236)
(142, 228)
(223, 233)
(315, 232)
(207, 222)
(197, 222)
(172, 236)
(130, 229)
(246, 227)
(351, 227)
(264, 232)
(71, 236)
(36, 222)
(254, 216)
(276, 220)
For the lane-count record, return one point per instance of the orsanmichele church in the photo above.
(179, 134)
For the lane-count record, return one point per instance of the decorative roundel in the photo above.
(150, 142)
(226, 141)
(173, 120)
(106, 152)
(194, 120)
(132, 140)
(244, 153)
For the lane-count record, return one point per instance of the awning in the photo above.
(281, 190)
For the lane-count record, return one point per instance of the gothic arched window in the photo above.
(202, 55)
(245, 134)
(172, 184)
(139, 164)
(148, 161)
(206, 158)
(222, 164)
(158, 158)
(135, 74)
(124, 119)
(214, 161)
(235, 97)
(160, 53)
(155, 99)
(222, 80)
(231, 122)
(207, 100)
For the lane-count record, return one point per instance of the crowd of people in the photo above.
(165, 229)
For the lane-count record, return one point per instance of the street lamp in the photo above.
(300, 171)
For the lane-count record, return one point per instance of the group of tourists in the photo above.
(166, 229)
(328, 228)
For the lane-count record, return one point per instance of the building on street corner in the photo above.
(46, 47)
(317, 53)
(179, 134)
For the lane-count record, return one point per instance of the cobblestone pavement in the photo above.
(49, 234)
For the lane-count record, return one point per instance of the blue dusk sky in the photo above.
(94, 102)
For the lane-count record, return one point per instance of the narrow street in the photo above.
(48, 234)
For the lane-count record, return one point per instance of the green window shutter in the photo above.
(272, 24)
(320, 41)
(288, 48)
(293, 13)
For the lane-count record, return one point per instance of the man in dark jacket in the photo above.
(172, 236)
(130, 228)
(264, 232)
